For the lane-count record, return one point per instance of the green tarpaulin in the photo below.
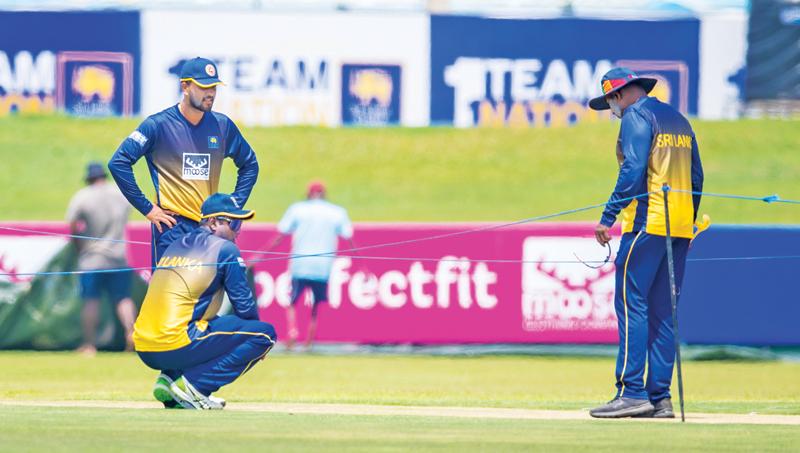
(44, 313)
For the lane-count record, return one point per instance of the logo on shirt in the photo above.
(138, 137)
(213, 142)
(196, 166)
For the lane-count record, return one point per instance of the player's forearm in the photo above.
(246, 180)
(628, 184)
(697, 177)
(250, 313)
(122, 172)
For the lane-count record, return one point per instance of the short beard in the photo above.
(199, 105)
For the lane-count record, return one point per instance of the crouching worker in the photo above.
(178, 331)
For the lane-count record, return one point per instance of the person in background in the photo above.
(100, 212)
(315, 225)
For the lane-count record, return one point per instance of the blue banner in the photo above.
(371, 94)
(744, 301)
(542, 72)
(82, 63)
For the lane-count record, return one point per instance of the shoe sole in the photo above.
(635, 411)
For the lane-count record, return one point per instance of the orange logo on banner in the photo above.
(94, 80)
(372, 84)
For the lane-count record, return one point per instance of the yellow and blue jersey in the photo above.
(184, 160)
(186, 291)
(656, 146)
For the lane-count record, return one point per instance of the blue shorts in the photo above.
(319, 289)
(116, 284)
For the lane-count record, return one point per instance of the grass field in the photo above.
(398, 175)
(433, 174)
(492, 381)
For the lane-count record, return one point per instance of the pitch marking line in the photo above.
(424, 411)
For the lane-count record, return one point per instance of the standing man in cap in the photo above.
(178, 331)
(656, 146)
(99, 211)
(184, 147)
(316, 226)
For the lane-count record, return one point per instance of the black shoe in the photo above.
(622, 407)
(661, 409)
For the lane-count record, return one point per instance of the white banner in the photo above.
(287, 69)
(723, 50)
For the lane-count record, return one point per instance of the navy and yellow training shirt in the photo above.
(656, 145)
(184, 160)
(187, 290)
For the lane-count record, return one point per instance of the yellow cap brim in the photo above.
(202, 85)
(249, 215)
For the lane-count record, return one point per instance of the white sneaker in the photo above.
(190, 398)
(217, 400)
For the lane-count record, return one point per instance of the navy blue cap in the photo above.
(95, 170)
(222, 204)
(615, 80)
(201, 71)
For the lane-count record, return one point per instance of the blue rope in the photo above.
(72, 236)
(387, 244)
(775, 198)
(750, 258)
(470, 231)
(384, 258)
(283, 255)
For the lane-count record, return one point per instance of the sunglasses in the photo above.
(234, 224)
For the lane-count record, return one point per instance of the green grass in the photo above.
(504, 381)
(432, 174)
(21, 429)
(491, 381)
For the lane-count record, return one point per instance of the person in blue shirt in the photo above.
(316, 226)
(178, 331)
(656, 146)
(184, 147)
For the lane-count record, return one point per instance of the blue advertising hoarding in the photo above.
(751, 301)
(542, 72)
(82, 63)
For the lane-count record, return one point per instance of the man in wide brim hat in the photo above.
(615, 80)
(656, 148)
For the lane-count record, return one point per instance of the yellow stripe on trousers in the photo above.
(257, 334)
(625, 304)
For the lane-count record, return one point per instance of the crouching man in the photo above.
(178, 331)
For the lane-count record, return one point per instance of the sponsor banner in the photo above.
(461, 290)
(542, 72)
(83, 63)
(773, 56)
(723, 48)
(283, 69)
